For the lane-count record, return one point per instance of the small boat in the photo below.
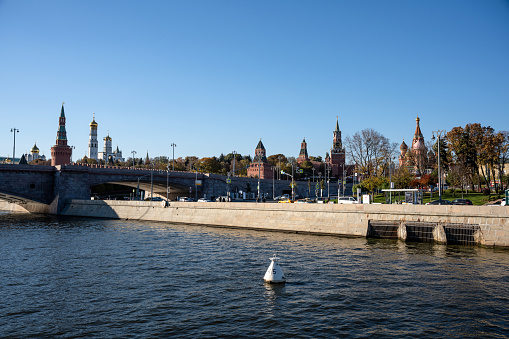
(274, 273)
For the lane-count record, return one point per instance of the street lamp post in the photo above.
(173, 145)
(439, 134)
(14, 130)
(279, 171)
(273, 183)
(234, 153)
(259, 169)
(152, 182)
(196, 186)
(343, 180)
(133, 153)
(167, 181)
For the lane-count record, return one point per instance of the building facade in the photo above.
(260, 167)
(61, 153)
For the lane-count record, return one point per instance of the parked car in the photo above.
(347, 200)
(186, 199)
(203, 200)
(322, 200)
(461, 202)
(437, 202)
(154, 199)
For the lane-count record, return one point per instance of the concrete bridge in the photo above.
(46, 189)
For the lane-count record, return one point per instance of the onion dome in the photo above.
(93, 124)
(35, 149)
(403, 146)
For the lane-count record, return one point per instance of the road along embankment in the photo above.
(467, 225)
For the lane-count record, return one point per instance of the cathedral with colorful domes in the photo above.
(418, 148)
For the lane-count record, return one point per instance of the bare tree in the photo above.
(369, 150)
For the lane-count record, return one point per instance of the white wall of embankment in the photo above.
(9, 207)
(345, 220)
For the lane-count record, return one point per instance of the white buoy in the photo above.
(274, 273)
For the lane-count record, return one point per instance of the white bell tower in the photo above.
(92, 140)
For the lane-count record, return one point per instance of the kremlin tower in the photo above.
(303, 155)
(92, 140)
(61, 153)
(260, 167)
(336, 159)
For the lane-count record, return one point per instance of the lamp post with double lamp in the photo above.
(279, 168)
(151, 181)
(167, 182)
(196, 185)
(273, 183)
(391, 185)
(173, 145)
(14, 130)
(133, 153)
(439, 134)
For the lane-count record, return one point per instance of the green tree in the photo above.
(208, 165)
(402, 178)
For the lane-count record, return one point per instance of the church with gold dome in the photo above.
(34, 154)
(93, 146)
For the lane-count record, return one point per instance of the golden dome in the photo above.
(35, 149)
(93, 123)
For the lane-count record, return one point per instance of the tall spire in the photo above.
(337, 144)
(303, 155)
(418, 133)
(61, 133)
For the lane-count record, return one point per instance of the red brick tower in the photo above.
(336, 159)
(61, 153)
(260, 166)
(303, 155)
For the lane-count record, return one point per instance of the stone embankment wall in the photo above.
(9, 207)
(491, 222)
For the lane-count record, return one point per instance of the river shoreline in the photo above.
(471, 225)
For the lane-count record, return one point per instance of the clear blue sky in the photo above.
(216, 76)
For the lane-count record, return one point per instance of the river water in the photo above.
(76, 277)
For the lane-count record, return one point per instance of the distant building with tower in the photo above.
(260, 166)
(417, 149)
(336, 158)
(303, 154)
(108, 154)
(93, 146)
(34, 154)
(61, 153)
